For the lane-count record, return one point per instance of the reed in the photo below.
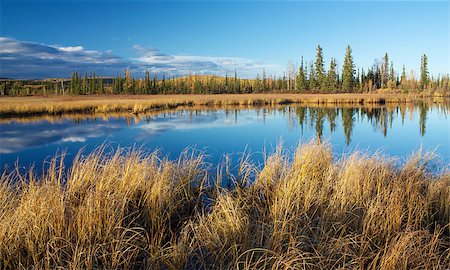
(130, 209)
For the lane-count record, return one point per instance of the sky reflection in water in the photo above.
(398, 131)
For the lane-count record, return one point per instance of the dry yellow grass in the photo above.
(144, 116)
(129, 209)
(56, 105)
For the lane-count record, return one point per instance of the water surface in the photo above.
(398, 131)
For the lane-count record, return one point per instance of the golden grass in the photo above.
(57, 105)
(129, 209)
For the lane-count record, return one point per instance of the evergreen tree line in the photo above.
(313, 77)
(309, 77)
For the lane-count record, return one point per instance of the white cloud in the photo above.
(185, 64)
(73, 139)
(71, 48)
(42, 133)
(25, 60)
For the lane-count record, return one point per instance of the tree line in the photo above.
(309, 77)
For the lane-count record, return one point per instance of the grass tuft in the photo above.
(130, 209)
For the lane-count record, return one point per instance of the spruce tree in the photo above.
(312, 77)
(77, 88)
(91, 89)
(258, 86)
(423, 72)
(236, 83)
(332, 76)
(84, 84)
(264, 80)
(147, 82)
(100, 88)
(348, 71)
(385, 71)
(392, 74)
(320, 70)
(362, 80)
(403, 78)
(301, 78)
(72, 84)
(378, 77)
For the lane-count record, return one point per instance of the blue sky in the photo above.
(52, 38)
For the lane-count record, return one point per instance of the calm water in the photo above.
(398, 131)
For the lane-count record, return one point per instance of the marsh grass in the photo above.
(58, 105)
(131, 209)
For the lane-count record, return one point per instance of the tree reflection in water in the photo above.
(381, 118)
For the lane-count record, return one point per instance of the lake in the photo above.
(396, 130)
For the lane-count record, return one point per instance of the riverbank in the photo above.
(136, 210)
(58, 105)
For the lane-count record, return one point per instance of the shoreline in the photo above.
(60, 105)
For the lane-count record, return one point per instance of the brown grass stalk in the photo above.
(129, 209)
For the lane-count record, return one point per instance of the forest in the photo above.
(308, 77)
